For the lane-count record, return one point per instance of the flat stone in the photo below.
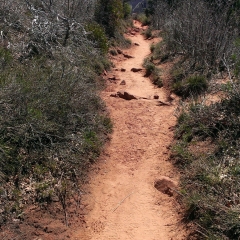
(126, 95)
(136, 69)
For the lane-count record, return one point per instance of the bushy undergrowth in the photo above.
(142, 18)
(207, 151)
(52, 122)
(147, 33)
(156, 50)
(191, 86)
(200, 35)
(152, 72)
(97, 35)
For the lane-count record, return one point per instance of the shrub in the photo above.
(141, 17)
(210, 134)
(127, 9)
(109, 13)
(152, 72)
(147, 33)
(52, 121)
(158, 51)
(149, 66)
(100, 64)
(196, 84)
(157, 80)
(193, 85)
(96, 33)
(152, 47)
(177, 73)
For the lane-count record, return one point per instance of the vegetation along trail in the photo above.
(132, 191)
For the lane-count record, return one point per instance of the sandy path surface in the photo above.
(124, 201)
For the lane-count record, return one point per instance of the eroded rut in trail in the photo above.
(132, 192)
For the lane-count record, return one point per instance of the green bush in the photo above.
(100, 64)
(190, 86)
(52, 121)
(152, 47)
(177, 74)
(157, 80)
(152, 72)
(157, 51)
(127, 9)
(97, 34)
(109, 14)
(148, 33)
(197, 84)
(149, 66)
(5, 57)
(141, 17)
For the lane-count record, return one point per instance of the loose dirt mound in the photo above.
(126, 201)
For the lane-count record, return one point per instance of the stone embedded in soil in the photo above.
(161, 103)
(123, 70)
(112, 78)
(156, 96)
(119, 51)
(170, 98)
(114, 95)
(136, 44)
(127, 56)
(126, 95)
(150, 38)
(136, 69)
(123, 82)
(165, 185)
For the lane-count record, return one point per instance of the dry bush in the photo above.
(52, 122)
(200, 33)
(210, 179)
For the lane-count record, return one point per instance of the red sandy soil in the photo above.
(132, 193)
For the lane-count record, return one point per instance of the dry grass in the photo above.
(207, 151)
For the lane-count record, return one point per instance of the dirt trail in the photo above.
(125, 201)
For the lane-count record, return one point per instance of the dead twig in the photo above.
(119, 204)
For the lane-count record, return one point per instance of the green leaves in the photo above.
(109, 14)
